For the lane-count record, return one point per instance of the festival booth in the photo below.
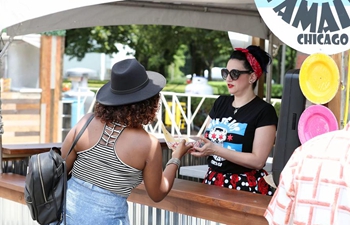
(312, 99)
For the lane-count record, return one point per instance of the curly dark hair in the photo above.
(133, 115)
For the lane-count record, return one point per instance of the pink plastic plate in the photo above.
(316, 120)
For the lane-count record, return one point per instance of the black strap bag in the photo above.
(46, 184)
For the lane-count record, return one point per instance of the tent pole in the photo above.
(2, 51)
(269, 74)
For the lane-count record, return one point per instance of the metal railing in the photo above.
(13, 213)
(181, 110)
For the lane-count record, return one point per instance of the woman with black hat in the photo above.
(115, 153)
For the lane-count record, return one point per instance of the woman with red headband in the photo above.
(242, 127)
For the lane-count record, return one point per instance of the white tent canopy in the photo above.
(25, 17)
(21, 17)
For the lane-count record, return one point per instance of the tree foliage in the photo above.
(156, 47)
(96, 39)
(289, 62)
(160, 48)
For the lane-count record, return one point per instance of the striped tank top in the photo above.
(101, 166)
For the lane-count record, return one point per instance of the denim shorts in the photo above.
(88, 204)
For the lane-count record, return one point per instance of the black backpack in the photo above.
(46, 184)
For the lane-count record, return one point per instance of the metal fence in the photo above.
(13, 213)
(181, 110)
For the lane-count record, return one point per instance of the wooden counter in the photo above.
(27, 149)
(209, 202)
(31, 149)
(187, 197)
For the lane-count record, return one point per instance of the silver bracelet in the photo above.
(174, 161)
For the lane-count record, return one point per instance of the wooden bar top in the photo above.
(28, 149)
(31, 149)
(209, 202)
(12, 187)
(186, 197)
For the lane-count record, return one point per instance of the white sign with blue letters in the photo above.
(309, 26)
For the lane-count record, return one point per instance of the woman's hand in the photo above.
(181, 149)
(206, 148)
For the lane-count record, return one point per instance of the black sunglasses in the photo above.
(234, 74)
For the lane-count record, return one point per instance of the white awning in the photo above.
(26, 17)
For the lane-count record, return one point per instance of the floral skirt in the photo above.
(252, 181)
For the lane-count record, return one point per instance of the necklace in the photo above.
(235, 110)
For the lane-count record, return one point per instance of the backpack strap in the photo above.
(65, 177)
(79, 134)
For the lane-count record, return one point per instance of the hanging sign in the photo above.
(309, 26)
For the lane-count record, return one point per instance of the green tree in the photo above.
(96, 39)
(206, 47)
(290, 59)
(157, 47)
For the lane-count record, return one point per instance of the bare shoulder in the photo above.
(136, 142)
(139, 138)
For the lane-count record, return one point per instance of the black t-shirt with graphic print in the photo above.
(236, 131)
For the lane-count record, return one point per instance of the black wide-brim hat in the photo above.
(130, 83)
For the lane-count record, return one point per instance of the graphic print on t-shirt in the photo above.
(221, 133)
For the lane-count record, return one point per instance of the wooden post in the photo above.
(260, 91)
(335, 104)
(300, 59)
(51, 67)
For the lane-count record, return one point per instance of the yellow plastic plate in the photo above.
(319, 78)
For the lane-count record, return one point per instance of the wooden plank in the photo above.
(260, 87)
(28, 149)
(28, 106)
(21, 111)
(8, 106)
(209, 202)
(19, 118)
(45, 79)
(25, 140)
(20, 95)
(21, 128)
(190, 198)
(188, 206)
(335, 104)
(20, 101)
(12, 187)
(57, 92)
(27, 133)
